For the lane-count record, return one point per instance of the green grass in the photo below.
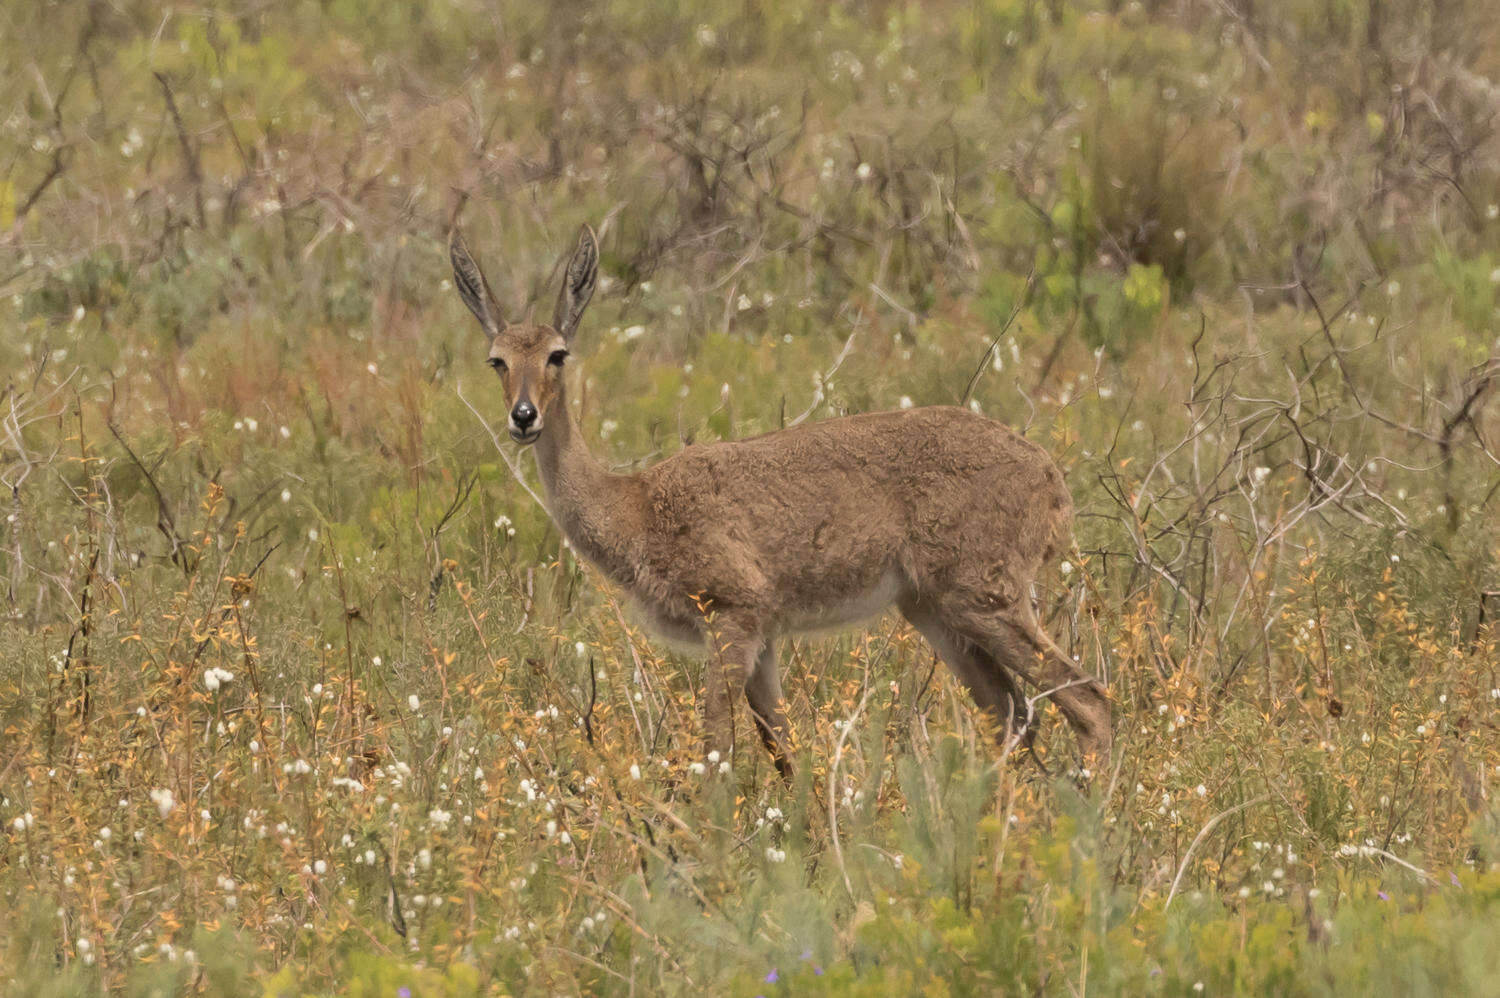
(246, 428)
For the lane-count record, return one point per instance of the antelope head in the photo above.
(527, 356)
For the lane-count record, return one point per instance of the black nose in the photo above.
(523, 415)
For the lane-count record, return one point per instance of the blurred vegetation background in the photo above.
(301, 693)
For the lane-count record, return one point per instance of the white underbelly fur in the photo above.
(684, 640)
(853, 608)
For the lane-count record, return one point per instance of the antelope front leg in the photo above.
(731, 661)
(763, 692)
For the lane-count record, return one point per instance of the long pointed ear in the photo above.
(578, 284)
(472, 287)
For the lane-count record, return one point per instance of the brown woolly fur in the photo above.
(728, 546)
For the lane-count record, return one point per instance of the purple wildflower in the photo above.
(773, 977)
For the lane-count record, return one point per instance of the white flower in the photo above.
(439, 817)
(286, 495)
(320, 867)
(1393, 289)
(580, 649)
(724, 767)
(1066, 568)
(164, 801)
(697, 769)
(862, 171)
(906, 402)
(631, 332)
(713, 756)
(210, 681)
(775, 855)
(286, 433)
(742, 302)
(1492, 212)
(635, 771)
(1179, 234)
(371, 367)
(105, 833)
(413, 702)
(707, 36)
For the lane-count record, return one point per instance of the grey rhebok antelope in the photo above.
(938, 510)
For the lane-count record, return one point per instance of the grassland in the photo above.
(301, 693)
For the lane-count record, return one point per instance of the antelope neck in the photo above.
(597, 511)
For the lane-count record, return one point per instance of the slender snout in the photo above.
(523, 422)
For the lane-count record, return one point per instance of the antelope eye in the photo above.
(557, 357)
(497, 364)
